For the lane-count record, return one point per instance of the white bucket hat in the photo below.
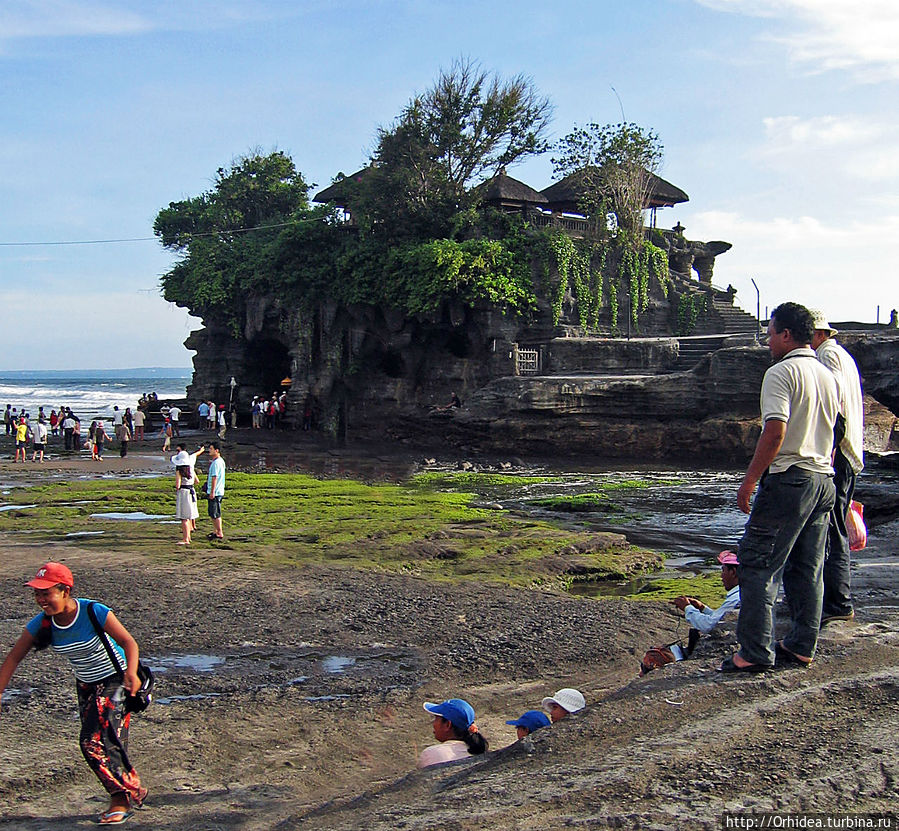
(182, 457)
(567, 698)
(819, 322)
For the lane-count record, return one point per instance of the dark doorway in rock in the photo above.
(267, 364)
(458, 344)
(392, 364)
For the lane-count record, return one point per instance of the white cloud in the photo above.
(844, 269)
(790, 131)
(858, 37)
(850, 146)
(66, 18)
(79, 18)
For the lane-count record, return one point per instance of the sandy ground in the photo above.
(301, 705)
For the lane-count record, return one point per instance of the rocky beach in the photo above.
(289, 694)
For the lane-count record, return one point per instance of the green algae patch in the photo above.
(277, 519)
(476, 482)
(579, 503)
(705, 587)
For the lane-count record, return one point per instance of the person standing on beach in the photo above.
(139, 419)
(167, 433)
(185, 494)
(124, 437)
(100, 436)
(848, 462)
(65, 625)
(40, 432)
(787, 529)
(222, 421)
(215, 490)
(21, 437)
(7, 419)
(202, 415)
(117, 421)
(175, 416)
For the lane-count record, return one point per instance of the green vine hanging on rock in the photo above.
(689, 307)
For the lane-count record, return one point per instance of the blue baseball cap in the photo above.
(532, 720)
(457, 712)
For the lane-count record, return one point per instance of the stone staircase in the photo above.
(692, 349)
(731, 319)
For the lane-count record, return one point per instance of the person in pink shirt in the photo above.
(455, 730)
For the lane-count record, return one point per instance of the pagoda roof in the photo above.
(505, 189)
(567, 193)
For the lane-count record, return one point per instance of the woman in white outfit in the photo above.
(185, 495)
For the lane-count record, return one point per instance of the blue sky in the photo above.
(778, 117)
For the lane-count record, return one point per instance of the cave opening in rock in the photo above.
(392, 364)
(267, 364)
(457, 344)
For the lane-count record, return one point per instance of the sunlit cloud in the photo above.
(791, 132)
(68, 18)
(849, 145)
(843, 268)
(858, 37)
(85, 18)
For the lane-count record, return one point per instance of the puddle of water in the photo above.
(130, 515)
(314, 698)
(198, 663)
(169, 699)
(16, 507)
(10, 692)
(337, 664)
(85, 533)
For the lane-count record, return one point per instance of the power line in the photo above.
(146, 239)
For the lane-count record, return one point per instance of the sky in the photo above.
(778, 117)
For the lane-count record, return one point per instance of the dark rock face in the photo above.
(374, 374)
(877, 356)
(711, 410)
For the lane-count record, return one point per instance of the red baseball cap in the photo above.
(51, 574)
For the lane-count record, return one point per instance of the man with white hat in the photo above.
(847, 464)
(563, 703)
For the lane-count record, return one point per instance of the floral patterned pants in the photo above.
(104, 736)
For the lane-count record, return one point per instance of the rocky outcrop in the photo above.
(712, 410)
(877, 356)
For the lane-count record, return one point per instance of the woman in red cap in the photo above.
(64, 624)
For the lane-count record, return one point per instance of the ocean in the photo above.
(90, 393)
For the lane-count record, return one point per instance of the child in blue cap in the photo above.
(529, 722)
(456, 731)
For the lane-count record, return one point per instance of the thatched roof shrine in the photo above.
(567, 194)
(341, 191)
(504, 192)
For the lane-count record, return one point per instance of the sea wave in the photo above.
(86, 397)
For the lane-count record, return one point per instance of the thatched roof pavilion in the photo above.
(566, 195)
(508, 194)
(341, 191)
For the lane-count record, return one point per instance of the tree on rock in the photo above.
(228, 236)
(462, 130)
(616, 166)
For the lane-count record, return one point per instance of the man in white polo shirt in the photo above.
(787, 528)
(847, 464)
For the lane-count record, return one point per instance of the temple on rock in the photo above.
(646, 361)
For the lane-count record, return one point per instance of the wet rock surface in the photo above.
(293, 699)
